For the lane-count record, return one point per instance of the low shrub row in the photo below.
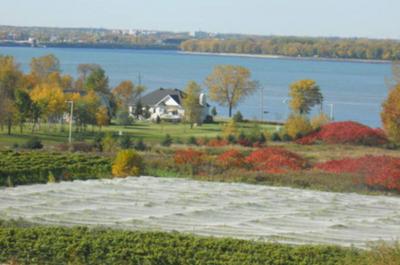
(59, 245)
(268, 160)
(376, 172)
(18, 168)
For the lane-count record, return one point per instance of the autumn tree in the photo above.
(102, 118)
(191, 103)
(126, 93)
(50, 99)
(230, 128)
(42, 67)
(390, 114)
(10, 79)
(297, 125)
(86, 108)
(304, 94)
(229, 84)
(64, 81)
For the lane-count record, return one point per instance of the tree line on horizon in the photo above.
(339, 48)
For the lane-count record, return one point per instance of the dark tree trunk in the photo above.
(9, 125)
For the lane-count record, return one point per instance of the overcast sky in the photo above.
(345, 18)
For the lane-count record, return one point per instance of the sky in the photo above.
(341, 18)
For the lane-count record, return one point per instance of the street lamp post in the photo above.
(262, 103)
(331, 116)
(71, 118)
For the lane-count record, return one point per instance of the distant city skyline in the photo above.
(335, 18)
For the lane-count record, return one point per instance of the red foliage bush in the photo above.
(231, 158)
(347, 132)
(189, 156)
(275, 160)
(217, 142)
(245, 142)
(381, 171)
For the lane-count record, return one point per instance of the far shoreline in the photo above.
(243, 55)
(282, 57)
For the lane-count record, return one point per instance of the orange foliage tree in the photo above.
(390, 114)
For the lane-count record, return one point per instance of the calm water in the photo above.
(355, 89)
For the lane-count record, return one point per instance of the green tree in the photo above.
(138, 109)
(191, 103)
(305, 94)
(214, 111)
(229, 84)
(23, 105)
(97, 81)
(238, 117)
(10, 79)
(84, 70)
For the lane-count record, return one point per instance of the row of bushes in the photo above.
(376, 172)
(299, 129)
(60, 245)
(19, 168)
(269, 160)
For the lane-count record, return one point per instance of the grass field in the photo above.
(150, 132)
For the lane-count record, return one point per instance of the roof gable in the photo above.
(153, 98)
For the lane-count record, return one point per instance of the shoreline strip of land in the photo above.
(282, 57)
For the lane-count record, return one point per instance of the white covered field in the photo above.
(208, 208)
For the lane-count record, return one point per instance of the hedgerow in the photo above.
(18, 168)
(59, 245)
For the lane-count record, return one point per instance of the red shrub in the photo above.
(347, 132)
(382, 171)
(275, 160)
(245, 142)
(231, 158)
(217, 142)
(189, 156)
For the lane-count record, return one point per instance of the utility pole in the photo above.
(262, 103)
(331, 116)
(140, 79)
(71, 118)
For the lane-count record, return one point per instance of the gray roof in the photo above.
(154, 97)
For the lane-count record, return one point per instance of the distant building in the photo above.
(201, 34)
(167, 104)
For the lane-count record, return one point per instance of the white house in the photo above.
(167, 104)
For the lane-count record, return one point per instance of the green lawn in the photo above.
(150, 132)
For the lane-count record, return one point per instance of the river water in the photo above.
(355, 89)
